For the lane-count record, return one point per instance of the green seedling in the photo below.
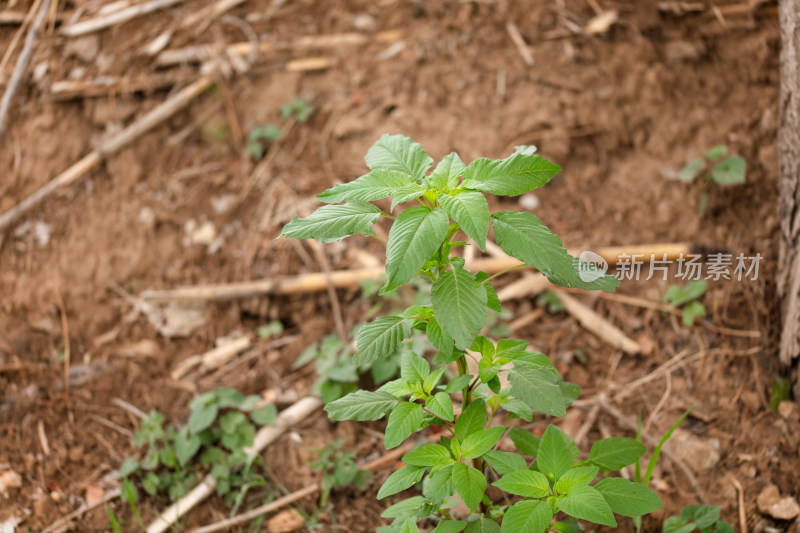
(703, 518)
(545, 476)
(297, 110)
(221, 424)
(715, 166)
(338, 470)
(687, 299)
(550, 301)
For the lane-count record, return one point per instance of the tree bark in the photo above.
(789, 175)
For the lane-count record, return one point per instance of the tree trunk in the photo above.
(789, 172)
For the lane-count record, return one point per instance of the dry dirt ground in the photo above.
(620, 110)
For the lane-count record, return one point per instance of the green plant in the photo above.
(338, 470)
(550, 301)
(687, 298)
(221, 423)
(421, 241)
(715, 166)
(298, 110)
(704, 518)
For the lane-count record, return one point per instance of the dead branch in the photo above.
(263, 438)
(116, 17)
(63, 90)
(598, 325)
(318, 281)
(22, 64)
(212, 358)
(198, 54)
(109, 147)
(520, 43)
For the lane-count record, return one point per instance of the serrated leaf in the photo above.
(471, 212)
(404, 420)
(527, 517)
(440, 339)
(628, 498)
(522, 235)
(432, 380)
(401, 480)
(488, 370)
(362, 405)
(416, 234)
(504, 462)
(703, 515)
(615, 453)
(587, 503)
(512, 176)
(403, 508)
(470, 484)
(458, 305)
(447, 172)
(477, 443)
(525, 441)
(482, 525)
(554, 457)
(334, 222)
(449, 526)
(414, 368)
(439, 485)
(537, 388)
(526, 483)
(406, 193)
(575, 477)
(380, 338)
(398, 152)
(471, 420)
(376, 185)
(441, 405)
(428, 455)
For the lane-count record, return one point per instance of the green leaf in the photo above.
(186, 448)
(628, 498)
(265, 415)
(417, 233)
(731, 171)
(404, 420)
(441, 405)
(471, 420)
(470, 484)
(428, 455)
(676, 524)
(692, 311)
(409, 192)
(432, 380)
(447, 172)
(459, 305)
(457, 384)
(362, 405)
(555, 455)
(527, 517)
(449, 526)
(690, 171)
(492, 300)
(398, 152)
(525, 441)
(703, 515)
(522, 235)
(334, 222)
(512, 176)
(717, 152)
(587, 503)
(401, 480)
(376, 185)
(439, 485)
(615, 453)
(477, 443)
(229, 423)
(518, 408)
(537, 388)
(526, 483)
(414, 368)
(380, 338)
(482, 525)
(403, 508)
(504, 462)
(202, 417)
(471, 212)
(440, 339)
(575, 477)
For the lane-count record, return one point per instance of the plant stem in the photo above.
(461, 363)
(504, 271)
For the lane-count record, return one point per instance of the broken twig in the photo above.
(104, 21)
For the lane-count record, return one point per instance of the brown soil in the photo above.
(620, 111)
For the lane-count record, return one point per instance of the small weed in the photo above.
(221, 423)
(703, 518)
(338, 470)
(298, 110)
(550, 301)
(715, 166)
(687, 298)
